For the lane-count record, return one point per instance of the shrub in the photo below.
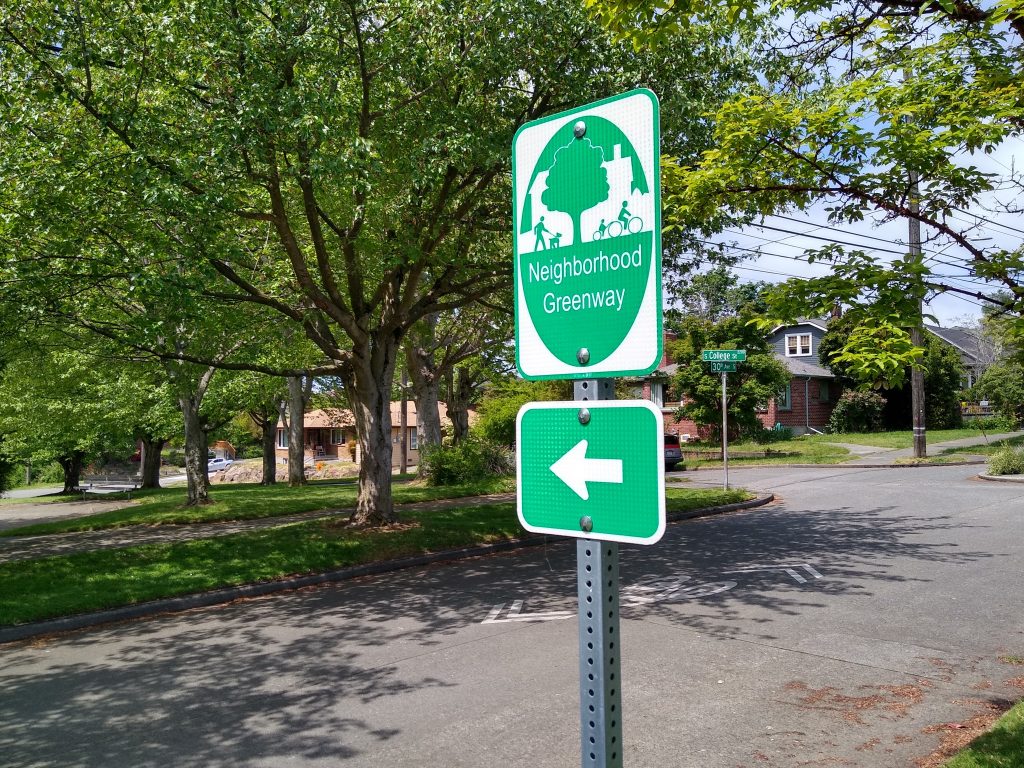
(857, 411)
(1008, 461)
(472, 459)
(778, 434)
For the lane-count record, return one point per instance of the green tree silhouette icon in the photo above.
(576, 182)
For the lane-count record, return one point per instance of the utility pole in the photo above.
(917, 395)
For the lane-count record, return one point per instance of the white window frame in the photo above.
(282, 438)
(414, 439)
(784, 402)
(658, 394)
(799, 347)
(337, 436)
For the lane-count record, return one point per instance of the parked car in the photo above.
(673, 453)
(217, 464)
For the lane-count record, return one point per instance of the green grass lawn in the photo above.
(797, 451)
(988, 449)
(894, 440)
(247, 501)
(32, 590)
(1000, 747)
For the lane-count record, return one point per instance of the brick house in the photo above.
(804, 406)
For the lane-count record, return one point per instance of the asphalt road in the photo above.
(851, 623)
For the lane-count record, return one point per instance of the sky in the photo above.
(783, 238)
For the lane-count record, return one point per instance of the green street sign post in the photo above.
(724, 361)
(586, 191)
(579, 477)
(587, 241)
(724, 355)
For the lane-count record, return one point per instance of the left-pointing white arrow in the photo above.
(576, 470)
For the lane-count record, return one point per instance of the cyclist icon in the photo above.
(626, 222)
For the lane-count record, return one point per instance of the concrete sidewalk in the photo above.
(869, 455)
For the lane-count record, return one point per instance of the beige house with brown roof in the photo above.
(330, 434)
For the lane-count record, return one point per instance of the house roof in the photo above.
(820, 323)
(799, 366)
(968, 342)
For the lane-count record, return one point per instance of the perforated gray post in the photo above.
(600, 681)
(597, 584)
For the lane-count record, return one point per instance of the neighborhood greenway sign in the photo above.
(587, 207)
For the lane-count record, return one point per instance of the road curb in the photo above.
(845, 465)
(1002, 478)
(230, 594)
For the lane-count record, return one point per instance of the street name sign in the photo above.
(723, 355)
(723, 367)
(592, 469)
(587, 241)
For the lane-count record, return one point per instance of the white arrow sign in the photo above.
(576, 470)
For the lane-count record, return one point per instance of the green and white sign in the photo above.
(592, 469)
(724, 355)
(587, 235)
(723, 367)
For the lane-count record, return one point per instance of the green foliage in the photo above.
(943, 377)
(502, 402)
(765, 436)
(755, 382)
(1002, 384)
(716, 294)
(857, 411)
(1008, 461)
(467, 461)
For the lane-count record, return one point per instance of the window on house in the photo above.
(798, 344)
(658, 394)
(414, 439)
(823, 392)
(282, 438)
(337, 436)
(785, 398)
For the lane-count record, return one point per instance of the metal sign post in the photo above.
(586, 188)
(597, 585)
(725, 433)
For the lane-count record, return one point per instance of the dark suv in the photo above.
(673, 454)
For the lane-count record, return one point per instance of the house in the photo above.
(804, 406)
(330, 434)
(811, 394)
(976, 352)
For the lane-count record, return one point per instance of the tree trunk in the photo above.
(296, 433)
(460, 395)
(426, 385)
(268, 433)
(150, 469)
(196, 449)
(72, 466)
(369, 382)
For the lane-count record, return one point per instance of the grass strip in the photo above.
(989, 448)
(34, 590)
(787, 452)
(248, 501)
(893, 440)
(1000, 747)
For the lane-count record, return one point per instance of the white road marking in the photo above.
(515, 614)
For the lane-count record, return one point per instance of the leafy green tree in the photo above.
(716, 294)
(331, 166)
(501, 405)
(57, 409)
(576, 182)
(1002, 384)
(864, 108)
(755, 382)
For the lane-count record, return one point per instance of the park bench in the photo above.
(108, 484)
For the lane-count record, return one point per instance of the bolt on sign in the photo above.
(587, 239)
